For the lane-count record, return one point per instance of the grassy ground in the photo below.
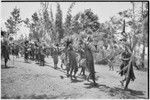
(29, 80)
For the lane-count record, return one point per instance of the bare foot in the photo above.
(125, 88)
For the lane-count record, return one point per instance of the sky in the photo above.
(104, 10)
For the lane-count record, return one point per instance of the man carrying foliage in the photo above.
(89, 59)
(126, 67)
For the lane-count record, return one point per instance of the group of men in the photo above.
(38, 52)
(34, 51)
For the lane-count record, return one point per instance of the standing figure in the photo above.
(32, 51)
(72, 57)
(64, 60)
(89, 62)
(39, 53)
(126, 68)
(82, 61)
(42, 55)
(21, 50)
(5, 52)
(13, 49)
(26, 51)
(36, 52)
(111, 59)
(55, 53)
(17, 51)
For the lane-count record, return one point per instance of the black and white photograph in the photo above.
(74, 50)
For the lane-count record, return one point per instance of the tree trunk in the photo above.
(143, 55)
(143, 52)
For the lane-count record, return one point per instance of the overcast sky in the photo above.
(104, 10)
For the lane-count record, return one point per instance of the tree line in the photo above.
(132, 26)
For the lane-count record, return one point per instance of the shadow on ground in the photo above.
(59, 69)
(3, 67)
(76, 81)
(116, 91)
(44, 96)
(41, 96)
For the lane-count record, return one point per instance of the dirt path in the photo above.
(29, 80)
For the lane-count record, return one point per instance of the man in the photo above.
(29, 51)
(17, 51)
(71, 54)
(89, 59)
(21, 49)
(55, 53)
(26, 51)
(5, 52)
(42, 55)
(111, 59)
(32, 51)
(82, 61)
(126, 68)
(36, 52)
(13, 49)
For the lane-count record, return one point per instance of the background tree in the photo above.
(75, 24)
(48, 23)
(89, 21)
(128, 26)
(144, 21)
(52, 33)
(68, 20)
(13, 21)
(36, 28)
(58, 23)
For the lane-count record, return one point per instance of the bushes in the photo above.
(102, 62)
(99, 59)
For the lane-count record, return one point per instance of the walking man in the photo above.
(89, 59)
(126, 68)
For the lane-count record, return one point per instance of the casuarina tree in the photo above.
(58, 23)
(13, 21)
